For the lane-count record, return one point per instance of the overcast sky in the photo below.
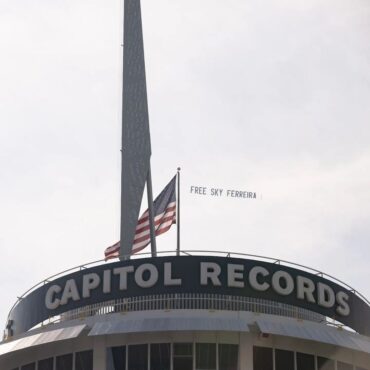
(268, 96)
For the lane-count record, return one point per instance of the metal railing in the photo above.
(199, 253)
(192, 301)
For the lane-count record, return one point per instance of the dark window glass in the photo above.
(182, 356)
(116, 358)
(29, 367)
(305, 361)
(205, 356)
(284, 360)
(160, 356)
(344, 366)
(183, 349)
(84, 360)
(64, 362)
(138, 357)
(228, 356)
(46, 364)
(262, 358)
(325, 364)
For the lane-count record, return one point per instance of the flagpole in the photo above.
(153, 243)
(178, 212)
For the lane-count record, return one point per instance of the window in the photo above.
(160, 356)
(205, 356)
(84, 360)
(228, 356)
(47, 364)
(284, 360)
(29, 367)
(325, 364)
(182, 356)
(262, 358)
(344, 366)
(116, 358)
(305, 361)
(138, 357)
(64, 362)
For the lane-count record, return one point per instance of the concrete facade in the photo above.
(118, 333)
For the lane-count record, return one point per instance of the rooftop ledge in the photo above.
(195, 280)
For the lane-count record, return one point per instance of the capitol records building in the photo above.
(196, 311)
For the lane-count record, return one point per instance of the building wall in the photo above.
(245, 340)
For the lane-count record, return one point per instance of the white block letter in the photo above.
(51, 302)
(70, 291)
(122, 272)
(107, 281)
(326, 296)
(305, 289)
(235, 276)
(253, 278)
(278, 287)
(168, 279)
(153, 275)
(89, 282)
(210, 270)
(343, 308)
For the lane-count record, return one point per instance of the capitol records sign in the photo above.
(191, 274)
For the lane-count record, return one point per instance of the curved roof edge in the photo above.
(190, 320)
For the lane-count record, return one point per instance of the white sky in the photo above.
(270, 96)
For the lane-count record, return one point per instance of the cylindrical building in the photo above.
(204, 312)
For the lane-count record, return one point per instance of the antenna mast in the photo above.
(136, 146)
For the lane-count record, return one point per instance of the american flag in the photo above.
(164, 208)
(112, 251)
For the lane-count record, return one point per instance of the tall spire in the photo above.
(136, 147)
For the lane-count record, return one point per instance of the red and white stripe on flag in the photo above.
(112, 251)
(162, 223)
(164, 217)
